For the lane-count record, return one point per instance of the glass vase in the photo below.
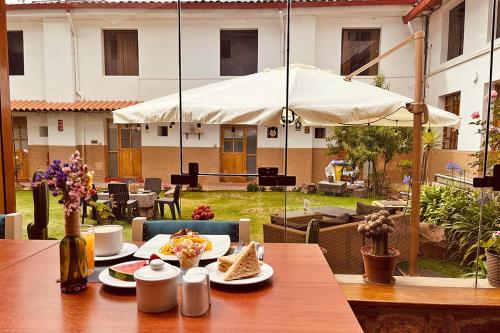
(73, 256)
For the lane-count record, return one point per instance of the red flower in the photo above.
(475, 115)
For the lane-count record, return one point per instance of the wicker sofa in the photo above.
(343, 242)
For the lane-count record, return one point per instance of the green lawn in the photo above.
(227, 205)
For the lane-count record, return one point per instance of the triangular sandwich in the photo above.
(246, 265)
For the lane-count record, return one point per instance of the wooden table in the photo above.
(336, 187)
(14, 251)
(302, 296)
(398, 204)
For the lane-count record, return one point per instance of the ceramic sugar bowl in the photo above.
(157, 287)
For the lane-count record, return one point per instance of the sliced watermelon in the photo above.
(125, 272)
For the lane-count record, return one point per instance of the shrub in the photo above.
(457, 210)
(252, 187)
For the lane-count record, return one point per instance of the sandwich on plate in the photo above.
(242, 265)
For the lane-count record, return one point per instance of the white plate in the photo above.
(217, 276)
(108, 280)
(126, 250)
(220, 245)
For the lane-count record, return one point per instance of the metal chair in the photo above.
(121, 198)
(171, 202)
(153, 184)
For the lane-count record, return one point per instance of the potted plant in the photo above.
(492, 252)
(379, 259)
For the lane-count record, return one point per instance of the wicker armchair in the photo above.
(343, 242)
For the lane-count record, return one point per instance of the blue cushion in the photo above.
(2, 226)
(153, 228)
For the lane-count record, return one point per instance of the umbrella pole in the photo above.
(417, 151)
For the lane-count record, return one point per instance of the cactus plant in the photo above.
(378, 226)
(38, 229)
(312, 233)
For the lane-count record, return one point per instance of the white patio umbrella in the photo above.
(319, 97)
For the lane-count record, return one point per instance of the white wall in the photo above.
(34, 121)
(468, 73)
(315, 39)
(67, 136)
(31, 85)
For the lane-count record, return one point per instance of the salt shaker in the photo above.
(195, 294)
(202, 270)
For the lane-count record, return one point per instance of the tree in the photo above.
(369, 143)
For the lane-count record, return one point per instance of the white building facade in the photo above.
(67, 58)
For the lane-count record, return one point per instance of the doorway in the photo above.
(20, 138)
(238, 151)
(124, 158)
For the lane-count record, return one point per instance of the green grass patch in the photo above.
(227, 205)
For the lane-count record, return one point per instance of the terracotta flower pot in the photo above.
(493, 265)
(379, 269)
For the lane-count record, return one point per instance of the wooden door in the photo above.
(20, 138)
(238, 151)
(129, 151)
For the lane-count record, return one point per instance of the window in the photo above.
(450, 135)
(320, 133)
(44, 131)
(359, 46)
(121, 52)
(497, 35)
(162, 130)
(456, 25)
(238, 52)
(16, 52)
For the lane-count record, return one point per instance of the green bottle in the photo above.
(73, 256)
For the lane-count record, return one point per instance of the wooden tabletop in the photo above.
(302, 296)
(14, 251)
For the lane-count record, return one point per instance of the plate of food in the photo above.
(121, 275)
(217, 246)
(240, 269)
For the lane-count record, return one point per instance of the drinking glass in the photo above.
(87, 231)
(189, 249)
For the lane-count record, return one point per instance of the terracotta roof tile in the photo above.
(79, 106)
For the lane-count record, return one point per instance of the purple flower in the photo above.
(406, 180)
(453, 166)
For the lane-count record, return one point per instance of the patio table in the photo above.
(331, 211)
(302, 296)
(146, 201)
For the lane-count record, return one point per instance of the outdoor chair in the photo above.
(171, 202)
(343, 242)
(153, 184)
(94, 215)
(144, 230)
(121, 198)
(39, 228)
(11, 226)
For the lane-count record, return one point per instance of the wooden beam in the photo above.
(8, 189)
(419, 114)
(417, 152)
(422, 6)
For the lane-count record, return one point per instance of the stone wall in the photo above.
(399, 319)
